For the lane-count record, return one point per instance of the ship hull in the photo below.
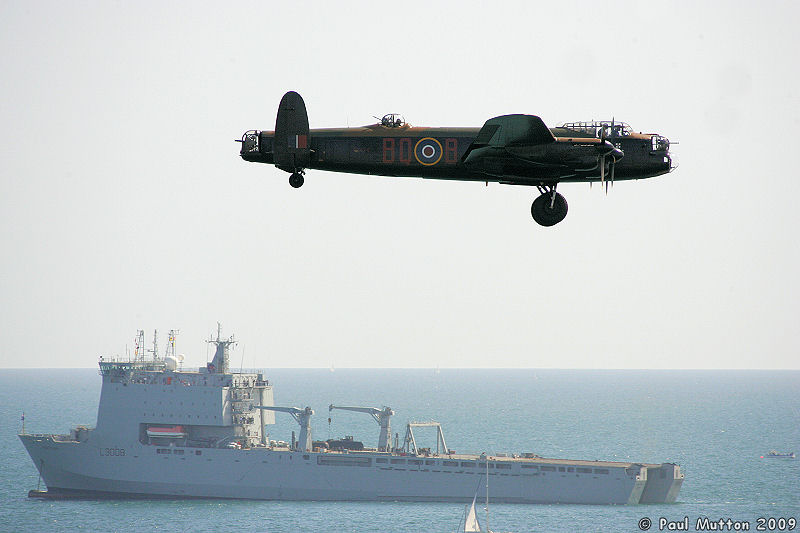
(137, 470)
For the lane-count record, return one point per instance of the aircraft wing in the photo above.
(510, 130)
(497, 151)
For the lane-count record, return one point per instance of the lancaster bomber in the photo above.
(509, 149)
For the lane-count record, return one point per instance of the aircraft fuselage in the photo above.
(437, 153)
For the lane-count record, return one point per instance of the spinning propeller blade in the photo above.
(602, 169)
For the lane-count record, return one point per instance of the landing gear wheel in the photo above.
(296, 180)
(544, 214)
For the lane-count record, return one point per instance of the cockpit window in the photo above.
(660, 143)
(596, 128)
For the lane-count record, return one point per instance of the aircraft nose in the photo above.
(671, 162)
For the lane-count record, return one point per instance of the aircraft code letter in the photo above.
(388, 150)
(405, 151)
(450, 151)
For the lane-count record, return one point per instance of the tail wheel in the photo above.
(296, 180)
(549, 208)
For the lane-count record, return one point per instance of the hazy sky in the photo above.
(125, 205)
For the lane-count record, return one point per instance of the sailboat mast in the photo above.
(487, 494)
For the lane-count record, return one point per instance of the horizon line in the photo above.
(333, 369)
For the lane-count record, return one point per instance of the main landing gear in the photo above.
(296, 180)
(550, 207)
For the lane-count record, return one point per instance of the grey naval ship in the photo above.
(166, 432)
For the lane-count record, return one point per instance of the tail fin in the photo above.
(291, 147)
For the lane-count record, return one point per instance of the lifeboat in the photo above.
(167, 432)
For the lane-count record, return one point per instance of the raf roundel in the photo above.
(428, 151)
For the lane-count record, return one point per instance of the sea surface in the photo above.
(715, 424)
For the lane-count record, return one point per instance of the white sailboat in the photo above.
(471, 523)
(470, 520)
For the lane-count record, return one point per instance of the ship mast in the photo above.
(487, 495)
(219, 364)
(173, 334)
(138, 351)
(155, 345)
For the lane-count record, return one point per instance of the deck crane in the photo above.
(381, 416)
(303, 417)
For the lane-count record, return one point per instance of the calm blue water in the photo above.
(715, 424)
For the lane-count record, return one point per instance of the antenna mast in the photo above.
(155, 345)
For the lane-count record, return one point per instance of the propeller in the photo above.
(603, 147)
(607, 149)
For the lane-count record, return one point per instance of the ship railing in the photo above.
(242, 396)
(119, 367)
(55, 438)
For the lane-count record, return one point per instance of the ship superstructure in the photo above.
(167, 432)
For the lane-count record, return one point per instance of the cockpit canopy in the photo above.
(392, 120)
(596, 128)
